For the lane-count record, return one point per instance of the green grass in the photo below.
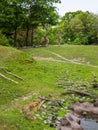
(40, 79)
(72, 52)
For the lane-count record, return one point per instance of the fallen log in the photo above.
(14, 75)
(10, 73)
(9, 79)
(3, 68)
(79, 92)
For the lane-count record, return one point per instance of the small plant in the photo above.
(94, 81)
(3, 40)
(66, 81)
(79, 89)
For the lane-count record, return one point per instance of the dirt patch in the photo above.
(47, 59)
(79, 61)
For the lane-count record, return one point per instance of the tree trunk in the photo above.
(15, 37)
(32, 35)
(26, 37)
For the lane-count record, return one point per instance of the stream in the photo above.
(89, 124)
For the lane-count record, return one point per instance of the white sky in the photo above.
(74, 5)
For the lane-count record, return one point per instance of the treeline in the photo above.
(20, 18)
(30, 22)
(79, 28)
(75, 28)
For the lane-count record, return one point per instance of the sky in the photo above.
(74, 5)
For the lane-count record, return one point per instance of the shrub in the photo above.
(3, 40)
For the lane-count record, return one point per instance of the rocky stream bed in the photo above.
(78, 116)
(75, 109)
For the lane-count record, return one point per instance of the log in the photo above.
(14, 75)
(5, 70)
(9, 79)
(79, 92)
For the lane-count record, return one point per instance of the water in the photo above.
(89, 124)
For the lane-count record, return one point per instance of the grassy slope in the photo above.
(39, 79)
(88, 53)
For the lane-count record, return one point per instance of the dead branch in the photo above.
(9, 79)
(14, 75)
(42, 102)
(79, 92)
(5, 70)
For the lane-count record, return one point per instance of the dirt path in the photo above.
(63, 59)
(47, 59)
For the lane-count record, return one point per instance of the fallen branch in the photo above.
(82, 93)
(42, 102)
(14, 75)
(9, 79)
(5, 70)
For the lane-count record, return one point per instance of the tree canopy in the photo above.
(80, 27)
(26, 15)
(26, 22)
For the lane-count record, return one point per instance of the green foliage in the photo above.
(37, 19)
(80, 27)
(39, 35)
(80, 40)
(16, 16)
(3, 40)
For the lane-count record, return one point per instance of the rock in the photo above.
(43, 112)
(95, 110)
(64, 128)
(45, 122)
(72, 121)
(73, 117)
(96, 104)
(84, 113)
(52, 124)
(97, 121)
(74, 125)
(64, 122)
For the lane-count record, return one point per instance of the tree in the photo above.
(90, 22)
(26, 15)
(80, 27)
(12, 16)
(43, 13)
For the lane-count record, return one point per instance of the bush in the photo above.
(3, 40)
(80, 41)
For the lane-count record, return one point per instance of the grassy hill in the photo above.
(79, 53)
(40, 68)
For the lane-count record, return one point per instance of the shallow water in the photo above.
(89, 124)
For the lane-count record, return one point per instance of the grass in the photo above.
(40, 79)
(74, 52)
